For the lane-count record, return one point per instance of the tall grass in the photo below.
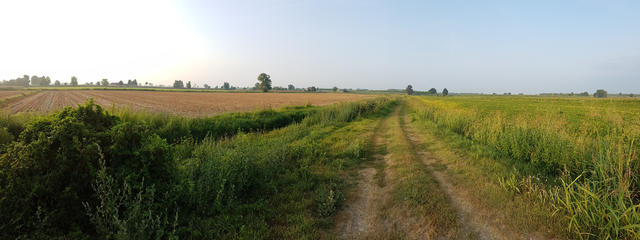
(224, 177)
(588, 156)
(251, 183)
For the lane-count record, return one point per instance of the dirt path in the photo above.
(475, 218)
(360, 217)
(369, 213)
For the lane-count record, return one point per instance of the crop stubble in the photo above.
(180, 103)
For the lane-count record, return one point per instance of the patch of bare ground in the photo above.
(10, 93)
(486, 222)
(358, 219)
(177, 103)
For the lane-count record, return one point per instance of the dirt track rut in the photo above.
(366, 214)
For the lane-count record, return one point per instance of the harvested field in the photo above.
(8, 94)
(179, 103)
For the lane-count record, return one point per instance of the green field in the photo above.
(579, 155)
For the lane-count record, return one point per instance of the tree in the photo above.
(189, 84)
(445, 92)
(178, 84)
(433, 91)
(46, 81)
(264, 81)
(226, 86)
(120, 83)
(74, 81)
(105, 82)
(312, 89)
(409, 89)
(335, 89)
(206, 86)
(25, 80)
(600, 93)
(291, 87)
(35, 80)
(57, 83)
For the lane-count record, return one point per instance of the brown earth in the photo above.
(10, 93)
(178, 103)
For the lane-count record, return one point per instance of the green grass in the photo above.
(415, 187)
(583, 150)
(84, 172)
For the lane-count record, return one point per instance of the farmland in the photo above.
(431, 167)
(10, 94)
(574, 157)
(179, 103)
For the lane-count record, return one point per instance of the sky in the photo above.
(465, 46)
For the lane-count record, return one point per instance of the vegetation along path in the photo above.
(403, 193)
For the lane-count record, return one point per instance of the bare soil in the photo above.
(10, 93)
(178, 103)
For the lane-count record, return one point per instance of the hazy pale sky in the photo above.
(465, 46)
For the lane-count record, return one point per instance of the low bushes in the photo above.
(87, 173)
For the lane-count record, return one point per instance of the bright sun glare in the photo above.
(94, 39)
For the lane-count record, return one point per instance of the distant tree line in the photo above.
(409, 90)
(264, 84)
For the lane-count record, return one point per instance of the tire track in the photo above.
(370, 212)
(474, 218)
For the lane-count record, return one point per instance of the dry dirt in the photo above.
(358, 218)
(10, 93)
(179, 103)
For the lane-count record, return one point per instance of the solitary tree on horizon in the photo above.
(74, 81)
(178, 84)
(409, 90)
(433, 91)
(600, 93)
(445, 92)
(264, 81)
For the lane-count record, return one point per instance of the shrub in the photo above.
(48, 170)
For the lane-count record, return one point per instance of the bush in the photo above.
(47, 171)
(328, 200)
(50, 168)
